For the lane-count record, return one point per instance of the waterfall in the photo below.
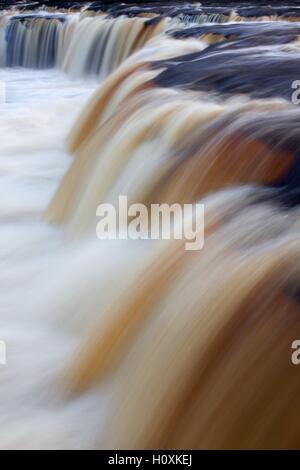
(99, 45)
(137, 342)
(33, 42)
(77, 44)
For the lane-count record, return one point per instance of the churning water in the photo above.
(38, 111)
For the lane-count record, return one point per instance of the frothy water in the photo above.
(39, 111)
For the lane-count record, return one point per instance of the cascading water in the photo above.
(76, 44)
(140, 343)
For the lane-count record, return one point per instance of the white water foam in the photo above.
(39, 109)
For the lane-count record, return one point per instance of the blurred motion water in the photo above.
(140, 343)
(39, 109)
